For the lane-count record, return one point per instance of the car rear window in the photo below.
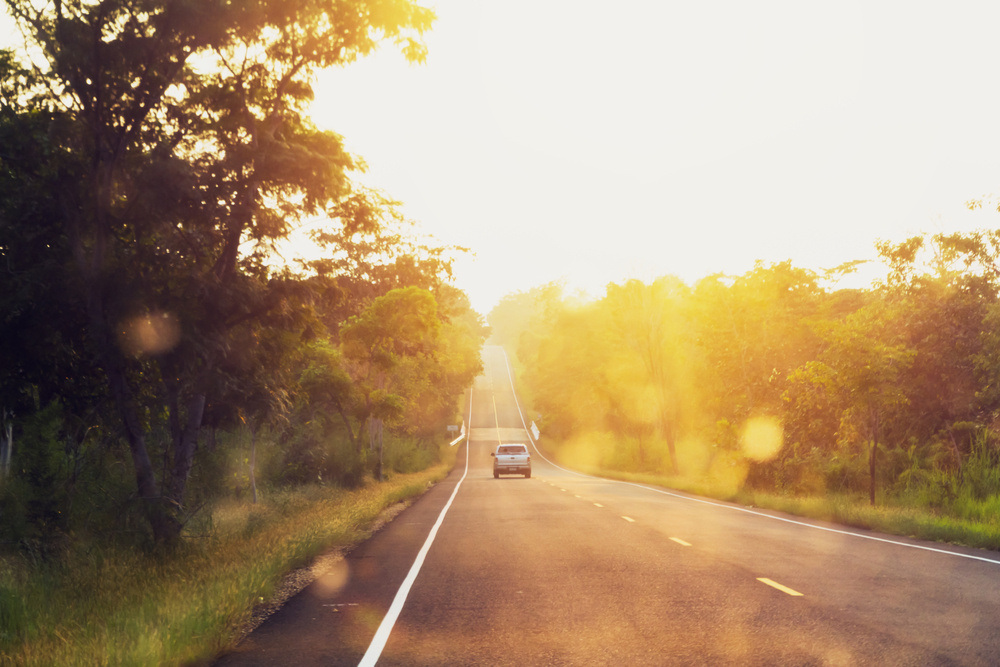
(518, 449)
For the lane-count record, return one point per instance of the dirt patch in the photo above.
(296, 580)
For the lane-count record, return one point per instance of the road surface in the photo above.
(564, 569)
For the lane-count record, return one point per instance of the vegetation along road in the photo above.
(564, 569)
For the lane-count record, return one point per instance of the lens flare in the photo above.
(762, 438)
(334, 580)
(152, 333)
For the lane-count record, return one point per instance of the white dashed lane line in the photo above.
(775, 584)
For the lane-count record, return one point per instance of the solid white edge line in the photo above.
(374, 651)
(732, 507)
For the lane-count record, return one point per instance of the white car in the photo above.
(511, 460)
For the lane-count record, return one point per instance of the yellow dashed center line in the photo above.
(774, 584)
(576, 496)
(681, 542)
(562, 489)
(629, 519)
(598, 505)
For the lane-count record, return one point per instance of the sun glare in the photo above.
(762, 438)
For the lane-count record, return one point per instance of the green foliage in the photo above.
(981, 470)
(145, 178)
(515, 313)
(36, 499)
(13, 618)
(405, 455)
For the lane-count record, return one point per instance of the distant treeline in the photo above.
(777, 381)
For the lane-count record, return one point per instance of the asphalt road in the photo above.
(563, 569)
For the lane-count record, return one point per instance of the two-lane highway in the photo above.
(564, 569)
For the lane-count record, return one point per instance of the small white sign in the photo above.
(452, 428)
(534, 430)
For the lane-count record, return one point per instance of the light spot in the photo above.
(334, 580)
(152, 333)
(762, 438)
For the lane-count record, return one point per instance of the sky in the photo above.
(593, 142)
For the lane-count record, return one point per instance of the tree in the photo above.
(651, 320)
(175, 151)
(943, 287)
(401, 325)
(753, 330)
(862, 366)
(370, 249)
(514, 313)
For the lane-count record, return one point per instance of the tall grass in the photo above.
(102, 605)
(938, 506)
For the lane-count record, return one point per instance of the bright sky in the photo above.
(595, 141)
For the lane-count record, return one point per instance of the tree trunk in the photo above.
(184, 449)
(355, 441)
(6, 448)
(668, 425)
(380, 477)
(253, 463)
(871, 461)
(871, 472)
(958, 455)
(670, 435)
(672, 448)
(162, 523)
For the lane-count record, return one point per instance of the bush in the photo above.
(13, 618)
(35, 503)
(406, 454)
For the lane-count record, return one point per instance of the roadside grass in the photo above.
(102, 605)
(893, 515)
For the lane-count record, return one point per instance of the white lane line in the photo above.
(681, 542)
(775, 584)
(374, 651)
(629, 519)
(577, 496)
(598, 505)
(731, 507)
(496, 417)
